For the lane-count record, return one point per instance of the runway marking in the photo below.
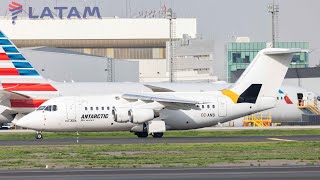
(284, 140)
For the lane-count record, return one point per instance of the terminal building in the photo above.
(142, 40)
(241, 52)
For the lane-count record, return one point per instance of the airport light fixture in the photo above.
(274, 10)
(171, 16)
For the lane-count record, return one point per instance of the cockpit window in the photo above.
(54, 108)
(48, 108)
(40, 108)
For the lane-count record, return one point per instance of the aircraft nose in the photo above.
(24, 122)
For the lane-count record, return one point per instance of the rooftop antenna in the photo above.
(274, 10)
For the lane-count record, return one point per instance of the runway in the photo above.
(150, 140)
(239, 173)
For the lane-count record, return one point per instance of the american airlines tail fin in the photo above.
(19, 76)
(263, 77)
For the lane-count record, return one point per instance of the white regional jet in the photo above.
(154, 113)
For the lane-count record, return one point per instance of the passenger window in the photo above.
(85, 108)
(97, 108)
(281, 98)
(208, 106)
(91, 108)
(108, 108)
(54, 108)
(213, 106)
(48, 108)
(277, 98)
(102, 108)
(202, 106)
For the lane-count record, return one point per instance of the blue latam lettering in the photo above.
(73, 13)
(31, 16)
(95, 10)
(46, 12)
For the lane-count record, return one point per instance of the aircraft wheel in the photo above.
(39, 136)
(157, 135)
(142, 134)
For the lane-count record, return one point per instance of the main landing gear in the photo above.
(157, 135)
(145, 134)
(39, 135)
(141, 134)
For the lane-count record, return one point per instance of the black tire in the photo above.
(39, 136)
(157, 135)
(142, 134)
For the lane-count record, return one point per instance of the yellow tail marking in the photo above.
(232, 95)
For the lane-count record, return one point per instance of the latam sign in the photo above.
(72, 12)
(47, 12)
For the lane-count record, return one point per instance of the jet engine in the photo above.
(139, 115)
(120, 115)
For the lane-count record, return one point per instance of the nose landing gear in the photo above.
(39, 135)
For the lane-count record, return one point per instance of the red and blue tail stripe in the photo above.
(18, 75)
(27, 87)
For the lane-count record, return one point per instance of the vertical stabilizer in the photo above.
(263, 77)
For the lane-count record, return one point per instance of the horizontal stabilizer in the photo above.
(284, 51)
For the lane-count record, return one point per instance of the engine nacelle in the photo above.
(140, 115)
(120, 115)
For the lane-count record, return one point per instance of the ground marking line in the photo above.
(284, 140)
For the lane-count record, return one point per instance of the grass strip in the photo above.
(154, 155)
(193, 133)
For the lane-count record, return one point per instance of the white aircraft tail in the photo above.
(263, 77)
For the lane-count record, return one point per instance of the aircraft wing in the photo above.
(157, 89)
(5, 97)
(167, 101)
(12, 95)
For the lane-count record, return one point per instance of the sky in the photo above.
(220, 20)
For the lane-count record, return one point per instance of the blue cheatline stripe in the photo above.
(22, 65)
(28, 72)
(5, 42)
(16, 57)
(1, 35)
(10, 49)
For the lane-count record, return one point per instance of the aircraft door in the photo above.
(222, 107)
(44, 117)
(300, 99)
(71, 111)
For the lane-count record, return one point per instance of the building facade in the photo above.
(240, 54)
(143, 40)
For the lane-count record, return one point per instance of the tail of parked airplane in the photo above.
(17, 75)
(263, 77)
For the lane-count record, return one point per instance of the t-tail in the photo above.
(263, 77)
(29, 89)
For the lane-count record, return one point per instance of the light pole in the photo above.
(170, 15)
(274, 10)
